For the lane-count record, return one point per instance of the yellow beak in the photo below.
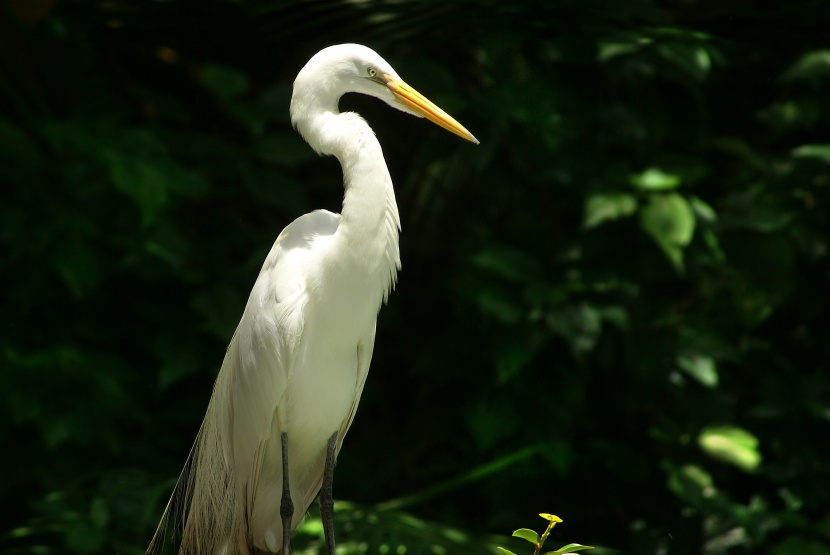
(422, 106)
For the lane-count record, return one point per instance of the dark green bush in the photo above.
(615, 308)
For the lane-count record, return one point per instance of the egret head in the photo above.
(345, 68)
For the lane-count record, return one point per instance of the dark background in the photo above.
(614, 309)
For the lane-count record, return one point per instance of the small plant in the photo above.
(538, 542)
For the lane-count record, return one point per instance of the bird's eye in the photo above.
(373, 72)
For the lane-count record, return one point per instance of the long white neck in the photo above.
(368, 231)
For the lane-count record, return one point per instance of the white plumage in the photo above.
(298, 361)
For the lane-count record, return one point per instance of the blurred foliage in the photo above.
(616, 305)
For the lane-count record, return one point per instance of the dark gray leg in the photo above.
(286, 505)
(326, 498)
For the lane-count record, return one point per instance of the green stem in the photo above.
(541, 541)
(473, 475)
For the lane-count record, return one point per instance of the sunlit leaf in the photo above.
(550, 517)
(387, 531)
(700, 367)
(570, 548)
(732, 445)
(600, 208)
(819, 152)
(527, 534)
(703, 210)
(691, 59)
(622, 46)
(506, 551)
(670, 221)
(655, 179)
(616, 315)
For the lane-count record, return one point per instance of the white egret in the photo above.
(294, 371)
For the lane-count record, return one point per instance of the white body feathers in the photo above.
(300, 355)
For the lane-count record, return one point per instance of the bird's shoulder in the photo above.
(307, 227)
(274, 315)
(299, 237)
(276, 305)
(292, 256)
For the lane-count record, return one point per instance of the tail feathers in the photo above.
(206, 512)
(168, 531)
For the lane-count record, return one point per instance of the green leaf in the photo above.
(621, 46)
(389, 531)
(506, 551)
(692, 484)
(700, 367)
(570, 548)
(141, 179)
(703, 210)
(692, 60)
(670, 221)
(655, 179)
(579, 324)
(810, 67)
(820, 152)
(611, 206)
(527, 534)
(732, 445)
